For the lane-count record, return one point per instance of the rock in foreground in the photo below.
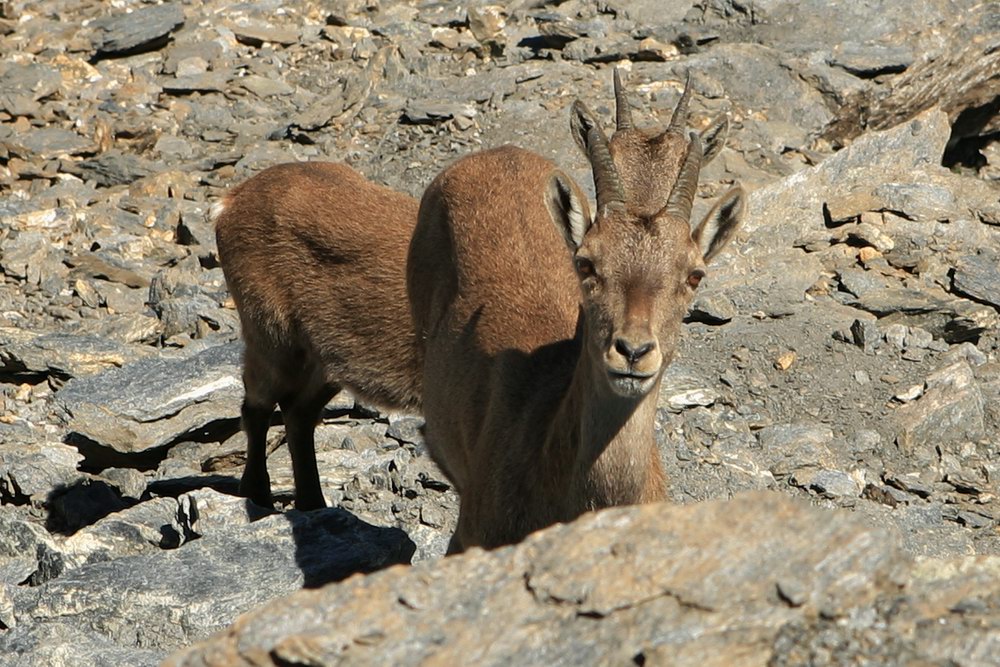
(711, 582)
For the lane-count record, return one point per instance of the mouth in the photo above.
(631, 383)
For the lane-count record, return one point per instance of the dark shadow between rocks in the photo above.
(332, 544)
(968, 135)
(178, 486)
(81, 503)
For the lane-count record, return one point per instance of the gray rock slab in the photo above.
(152, 402)
(114, 168)
(49, 142)
(30, 470)
(168, 599)
(143, 28)
(870, 59)
(23, 545)
(790, 447)
(794, 204)
(950, 410)
(684, 387)
(30, 81)
(62, 354)
(978, 276)
(59, 644)
(607, 588)
(933, 310)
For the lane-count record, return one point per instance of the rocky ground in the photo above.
(845, 350)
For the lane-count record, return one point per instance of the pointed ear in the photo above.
(713, 137)
(719, 226)
(568, 209)
(581, 121)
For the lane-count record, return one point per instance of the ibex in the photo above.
(542, 366)
(314, 257)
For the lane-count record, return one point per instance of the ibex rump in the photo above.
(314, 256)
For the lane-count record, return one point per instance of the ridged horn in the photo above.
(682, 196)
(591, 138)
(678, 122)
(623, 113)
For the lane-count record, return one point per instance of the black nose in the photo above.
(630, 352)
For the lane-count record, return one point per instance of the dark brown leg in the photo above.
(256, 483)
(300, 425)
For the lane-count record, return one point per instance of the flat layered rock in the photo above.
(152, 402)
(167, 599)
(617, 586)
(143, 29)
(62, 354)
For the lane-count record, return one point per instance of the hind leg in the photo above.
(256, 483)
(301, 413)
(262, 388)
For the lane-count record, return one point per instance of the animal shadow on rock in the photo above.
(332, 544)
(81, 503)
(329, 544)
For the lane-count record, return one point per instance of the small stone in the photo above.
(406, 428)
(895, 334)
(841, 209)
(792, 591)
(652, 49)
(785, 360)
(866, 334)
(834, 484)
(868, 253)
(974, 519)
(873, 236)
(191, 66)
(256, 34)
(911, 394)
(424, 112)
(87, 293)
(487, 22)
(968, 482)
(446, 38)
(712, 308)
(910, 483)
(431, 515)
(862, 377)
(918, 338)
(966, 352)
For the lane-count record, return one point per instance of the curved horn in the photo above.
(623, 113)
(607, 183)
(678, 122)
(682, 196)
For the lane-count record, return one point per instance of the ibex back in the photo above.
(314, 258)
(542, 365)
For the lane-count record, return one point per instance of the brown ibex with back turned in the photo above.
(314, 254)
(542, 366)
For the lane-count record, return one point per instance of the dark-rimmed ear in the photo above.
(720, 224)
(581, 122)
(567, 208)
(713, 137)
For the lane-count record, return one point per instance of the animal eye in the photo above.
(584, 267)
(694, 278)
